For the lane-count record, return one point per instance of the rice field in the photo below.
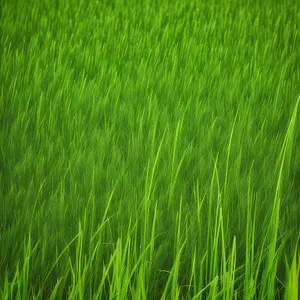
(150, 149)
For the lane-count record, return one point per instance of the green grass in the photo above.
(149, 149)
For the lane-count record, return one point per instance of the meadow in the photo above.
(149, 149)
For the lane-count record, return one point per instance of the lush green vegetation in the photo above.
(149, 149)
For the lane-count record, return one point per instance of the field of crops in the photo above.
(149, 149)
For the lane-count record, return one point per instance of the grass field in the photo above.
(149, 149)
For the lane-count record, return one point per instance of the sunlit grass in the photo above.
(149, 150)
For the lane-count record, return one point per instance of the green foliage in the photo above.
(149, 149)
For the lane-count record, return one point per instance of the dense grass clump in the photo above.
(149, 149)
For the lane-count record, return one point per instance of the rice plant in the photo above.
(149, 149)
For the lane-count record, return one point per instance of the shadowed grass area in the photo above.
(149, 150)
